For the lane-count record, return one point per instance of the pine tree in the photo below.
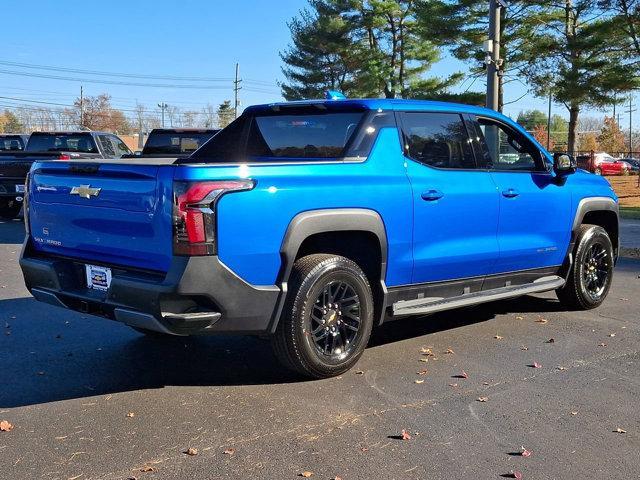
(224, 114)
(580, 64)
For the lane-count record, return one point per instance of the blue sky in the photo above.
(194, 38)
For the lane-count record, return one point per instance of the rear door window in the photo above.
(119, 146)
(439, 140)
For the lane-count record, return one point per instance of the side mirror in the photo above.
(564, 164)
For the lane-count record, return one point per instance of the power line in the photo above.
(114, 82)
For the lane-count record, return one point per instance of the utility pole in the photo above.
(236, 89)
(631, 110)
(163, 106)
(81, 108)
(492, 49)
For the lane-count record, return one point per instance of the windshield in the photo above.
(11, 143)
(62, 142)
(288, 135)
(175, 142)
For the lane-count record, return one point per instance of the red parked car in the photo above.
(603, 164)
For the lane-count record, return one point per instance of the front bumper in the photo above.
(198, 295)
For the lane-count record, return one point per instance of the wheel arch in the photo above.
(318, 225)
(601, 211)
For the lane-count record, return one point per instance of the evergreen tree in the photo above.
(11, 123)
(581, 64)
(225, 114)
(363, 48)
(611, 139)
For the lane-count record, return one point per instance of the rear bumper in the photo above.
(198, 295)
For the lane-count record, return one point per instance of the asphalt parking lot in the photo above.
(92, 399)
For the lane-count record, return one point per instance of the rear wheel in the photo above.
(327, 318)
(590, 276)
(9, 209)
(598, 171)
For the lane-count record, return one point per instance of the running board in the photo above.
(421, 306)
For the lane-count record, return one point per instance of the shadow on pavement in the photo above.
(52, 354)
(11, 231)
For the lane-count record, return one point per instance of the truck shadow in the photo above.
(11, 231)
(49, 354)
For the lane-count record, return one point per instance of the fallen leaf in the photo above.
(306, 474)
(359, 372)
(463, 374)
(5, 426)
(574, 413)
(131, 415)
(524, 452)
(449, 351)
(542, 320)
(424, 360)
(624, 299)
(147, 468)
(424, 371)
(498, 337)
(418, 381)
(524, 348)
(40, 373)
(336, 478)
(405, 435)
(535, 365)
(191, 451)
(454, 385)
(561, 368)
(619, 430)
(427, 352)
(229, 451)
(519, 317)
(602, 344)
(612, 335)
(482, 399)
(551, 340)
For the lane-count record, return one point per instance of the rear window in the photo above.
(11, 143)
(304, 134)
(174, 143)
(72, 142)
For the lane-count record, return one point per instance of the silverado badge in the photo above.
(85, 191)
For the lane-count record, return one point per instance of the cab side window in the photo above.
(503, 148)
(439, 140)
(106, 145)
(119, 146)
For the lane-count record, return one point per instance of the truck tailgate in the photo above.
(114, 214)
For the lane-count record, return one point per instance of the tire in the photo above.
(625, 172)
(318, 334)
(590, 276)
(9, 209)
(598, 171)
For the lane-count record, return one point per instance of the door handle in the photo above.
(510, 193)
(431, 195)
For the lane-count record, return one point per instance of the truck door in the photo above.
(535, 209)
(455, 203)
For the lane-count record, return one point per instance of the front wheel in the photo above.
(327, 318)
(590, 277)
(598, 171)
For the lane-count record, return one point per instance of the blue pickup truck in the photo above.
(312, 222)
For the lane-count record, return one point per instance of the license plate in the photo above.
(98, 278)
(20, 188)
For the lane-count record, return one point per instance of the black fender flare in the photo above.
(311, 222)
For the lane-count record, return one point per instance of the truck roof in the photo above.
(382, 104)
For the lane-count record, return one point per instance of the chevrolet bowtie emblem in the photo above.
(85, 191)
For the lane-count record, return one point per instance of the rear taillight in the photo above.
(25, 204)
(194, 214)
(64, 156)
